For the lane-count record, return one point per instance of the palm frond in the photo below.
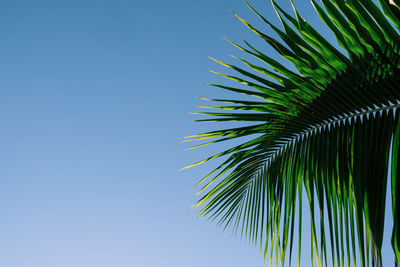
(330, 129)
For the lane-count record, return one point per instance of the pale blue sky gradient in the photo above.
(94, 98)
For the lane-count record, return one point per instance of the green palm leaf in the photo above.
(331, 130)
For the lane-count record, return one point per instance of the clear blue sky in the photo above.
(94, 98)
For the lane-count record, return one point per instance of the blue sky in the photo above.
(94, 98)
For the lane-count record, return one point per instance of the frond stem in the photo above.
(330, 123)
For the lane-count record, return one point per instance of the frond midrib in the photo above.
(330, 123)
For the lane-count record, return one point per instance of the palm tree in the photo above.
(330, 129)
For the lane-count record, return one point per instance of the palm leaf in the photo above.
(330, 129)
